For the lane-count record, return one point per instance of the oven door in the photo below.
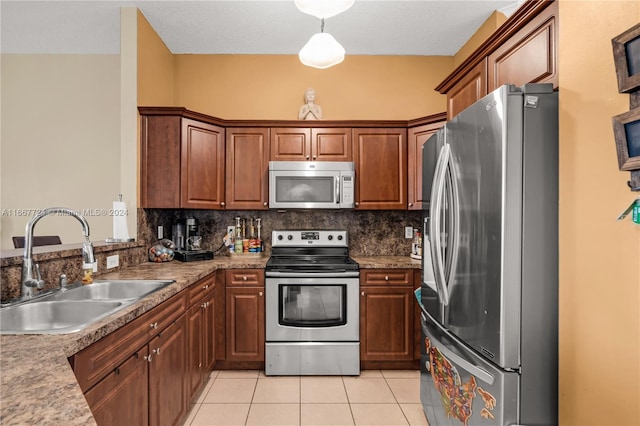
(312, 309)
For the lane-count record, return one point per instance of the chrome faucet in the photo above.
(29, 283)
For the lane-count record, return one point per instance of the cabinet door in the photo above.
(386, 323)
(416, 138)
(195, 348)
(160, 161)
(121, 398)
(209, 333)
(529, 56)
(331, 144)
(380, 157)
(472, 87)
(167, 372)
(247, 169)
(202, 165)
(245, 323)
(290, 144)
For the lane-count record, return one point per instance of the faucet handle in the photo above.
(63, 281)
(40, 281)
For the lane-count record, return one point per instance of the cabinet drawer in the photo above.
(96, 361)
(386, 276)
(200, 289)
(252, 277)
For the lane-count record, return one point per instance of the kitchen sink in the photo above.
(54, 317)
(76, 307)
(112, 290)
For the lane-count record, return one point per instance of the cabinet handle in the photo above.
(386, 278)
(154, 325)
(203, 306)
(362, 294)
(265, 204)
(244, 278)
(357, 204)
(204, 287)
(307, 157)
(260, 294)
(147, 358)
(314, 157)
(222, 204)
(117, 371)
(410, 204)
(156, 351)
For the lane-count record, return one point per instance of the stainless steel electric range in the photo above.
(312, 305)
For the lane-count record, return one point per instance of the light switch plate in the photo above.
(408, 231)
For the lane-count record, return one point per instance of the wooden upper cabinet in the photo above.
(182, 163)
(380, 156)
(310, 144)
(416, 137)
(247, 168)
(472, 87)
(529, 56)
(202, 165)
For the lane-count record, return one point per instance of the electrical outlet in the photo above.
(113, 261)
(230, 230)
(408, 231)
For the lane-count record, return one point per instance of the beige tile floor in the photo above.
(376, 397)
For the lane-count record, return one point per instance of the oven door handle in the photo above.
(276, 274)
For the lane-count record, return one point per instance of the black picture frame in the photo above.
(626, 130)
(626, 56)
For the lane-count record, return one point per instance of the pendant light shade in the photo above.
(321, 51)
(323, 9)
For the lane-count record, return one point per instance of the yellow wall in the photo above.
(489, 26)
(272, 86)
(599, 256)
(155, 67)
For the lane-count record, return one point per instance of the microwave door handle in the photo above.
(337, 189)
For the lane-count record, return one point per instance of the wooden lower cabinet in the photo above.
(121, 398)
(387, 319)
(245, 323)
(201, 334)
(168, 404)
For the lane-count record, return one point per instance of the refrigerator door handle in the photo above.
(437, 193)
(454, 234)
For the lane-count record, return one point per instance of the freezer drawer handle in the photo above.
(477, 371)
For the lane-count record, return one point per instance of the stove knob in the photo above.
(289, 237)
(340, 237)
(279, 237)
(330, 237)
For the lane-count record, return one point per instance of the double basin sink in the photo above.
(76, 307)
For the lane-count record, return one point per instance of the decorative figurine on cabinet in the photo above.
(310, 110)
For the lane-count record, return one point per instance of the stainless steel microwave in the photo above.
(311, 184)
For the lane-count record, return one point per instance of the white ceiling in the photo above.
(370, 27)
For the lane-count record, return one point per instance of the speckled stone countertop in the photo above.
(38, 385)
(387, 262)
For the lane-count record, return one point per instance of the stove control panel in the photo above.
(299, 238)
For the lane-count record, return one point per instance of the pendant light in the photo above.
(323, 9)
(322, 50)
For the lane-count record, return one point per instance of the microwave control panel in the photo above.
(347, 190)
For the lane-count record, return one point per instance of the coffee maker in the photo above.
(184, 232)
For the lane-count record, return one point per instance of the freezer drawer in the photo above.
(458, 387)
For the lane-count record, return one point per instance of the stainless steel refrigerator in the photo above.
(489, 292)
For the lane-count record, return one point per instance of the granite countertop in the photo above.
(38, 385)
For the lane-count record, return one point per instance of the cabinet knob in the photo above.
(260, 294)
(307, 157)
(410, 204)
(154, 325)
(206, 286)
(386, 278)
(357, 204)
(222, 203)
(362, 294)
(203, 306)
(147, 358)
(244, 278)
(265, 204)
(314, 157)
